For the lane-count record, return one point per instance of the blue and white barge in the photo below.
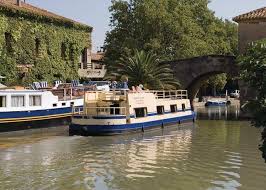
(22, 109)
(116, 112)
(217, 102)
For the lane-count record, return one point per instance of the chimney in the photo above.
(19, 3)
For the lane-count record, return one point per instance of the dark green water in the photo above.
(209, 155)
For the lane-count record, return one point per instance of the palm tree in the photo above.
(144, 68)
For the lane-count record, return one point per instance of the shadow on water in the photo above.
(140, 136)
(14, 138)
(227, 113)
(218, 113)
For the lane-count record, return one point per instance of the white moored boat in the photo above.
(19, 109)
(116, 112)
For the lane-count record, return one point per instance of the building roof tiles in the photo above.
(256, 15)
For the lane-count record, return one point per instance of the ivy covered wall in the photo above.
(52, 48)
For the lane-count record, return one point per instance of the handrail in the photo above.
(69, 93)
(171, 94)
(160, 94)
(99, 111)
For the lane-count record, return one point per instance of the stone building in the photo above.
(95, 70)
(251, 26)
(36, 44)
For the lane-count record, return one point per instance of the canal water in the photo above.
(217, 152)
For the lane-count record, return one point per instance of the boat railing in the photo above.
(159, 94)
(112, 95)
(99, 111)
(171, 94)
(69, 93)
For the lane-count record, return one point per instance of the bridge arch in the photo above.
(192, 72)
(194, 86)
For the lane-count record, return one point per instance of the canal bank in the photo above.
(211, 154)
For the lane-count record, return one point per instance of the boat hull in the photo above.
(15, 121)
(101, 130)
(38, 124)
(209, 104)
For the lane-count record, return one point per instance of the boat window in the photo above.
(2, 101)
(35, 100)
(54, 105)
(173, 108)
(17, 101)
(183, 107)
(64, 104)
(140, 112)
(160, 110)
(72, 103)
(115, 110)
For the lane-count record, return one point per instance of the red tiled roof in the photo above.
(259, 14)
(12, 4)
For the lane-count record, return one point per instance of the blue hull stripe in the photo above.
(124, 117)
(17, 115)
(116, 129)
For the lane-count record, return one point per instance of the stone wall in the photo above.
(191, 73)
(250, 32)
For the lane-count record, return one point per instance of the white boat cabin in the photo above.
(28, 100)
(125, 107)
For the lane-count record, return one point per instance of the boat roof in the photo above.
(7, 91)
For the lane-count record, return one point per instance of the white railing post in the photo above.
(64, 94)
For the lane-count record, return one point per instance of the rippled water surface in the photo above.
(210, 154)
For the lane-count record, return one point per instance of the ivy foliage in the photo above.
(52, 49)
(16, 11)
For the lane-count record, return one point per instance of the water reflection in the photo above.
(208, 155)
(143, 156)
(219, 112)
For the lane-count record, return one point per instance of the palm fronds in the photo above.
(144, 68)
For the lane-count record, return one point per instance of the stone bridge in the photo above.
(193, 72)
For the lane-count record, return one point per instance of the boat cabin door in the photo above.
(115, 109)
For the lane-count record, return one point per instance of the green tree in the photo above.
(253, 72)
(172, 29)
(217, 82)
(144, 68)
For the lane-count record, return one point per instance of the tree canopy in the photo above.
(253, 72)
(172, 29)
(218, 82)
